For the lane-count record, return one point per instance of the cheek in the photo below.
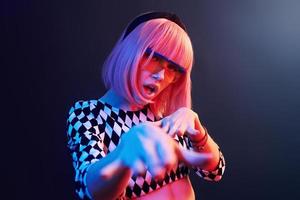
(141, 77)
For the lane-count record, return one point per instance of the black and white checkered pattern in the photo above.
(94, 130)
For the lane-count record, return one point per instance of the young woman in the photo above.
(139, 140)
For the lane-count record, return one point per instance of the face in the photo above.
(157, 73)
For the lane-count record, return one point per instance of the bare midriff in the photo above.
(179, 190)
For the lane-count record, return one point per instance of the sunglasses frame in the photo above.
(178, 67)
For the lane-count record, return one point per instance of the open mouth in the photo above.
(151, 89)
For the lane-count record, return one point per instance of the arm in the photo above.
(90, 154)
(207, 146)
(105, 176)
(142, 147)
(101, 187)
(212, 170)
(186, 122)
(216, 164)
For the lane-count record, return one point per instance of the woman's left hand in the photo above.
(183, 121)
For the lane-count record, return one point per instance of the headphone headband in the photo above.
(153, 15)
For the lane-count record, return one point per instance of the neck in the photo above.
(115, 100)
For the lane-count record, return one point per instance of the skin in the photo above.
(161, 79)
(147, 146)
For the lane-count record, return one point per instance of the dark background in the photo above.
(245, 88)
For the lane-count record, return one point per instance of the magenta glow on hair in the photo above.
(121, 66)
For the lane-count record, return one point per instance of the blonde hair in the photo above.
(121, 66)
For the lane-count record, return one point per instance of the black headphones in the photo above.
(153, 15)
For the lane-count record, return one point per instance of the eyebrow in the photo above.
(174, 64)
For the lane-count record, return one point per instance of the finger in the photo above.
(166, 155)
(193, 134)
(176, 155)
(198, 125)
(138, 168)
(131, 159)
(110, 170)
(149, 156)
(196, 136)
(172, 130)
(165, 125)
(156, 169)
(182, 129)
(191, 131)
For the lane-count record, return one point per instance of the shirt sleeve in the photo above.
(214, 175)
(85, 142)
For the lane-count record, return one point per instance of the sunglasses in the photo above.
(173, 65)
(172, 70)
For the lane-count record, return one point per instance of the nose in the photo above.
(160, 75)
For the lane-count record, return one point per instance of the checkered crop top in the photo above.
(94, 129)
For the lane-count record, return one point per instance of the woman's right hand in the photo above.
(148, 147)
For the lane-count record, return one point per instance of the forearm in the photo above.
(212, 169)
(206, 145)
(212, 148)
(109, 187)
